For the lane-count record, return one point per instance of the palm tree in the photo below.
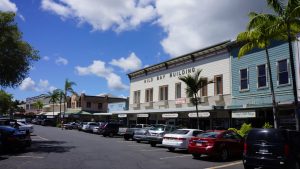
(194, 84)
(287, 20)
(39, 105)
(68, 88)
(259, 35)
(54, 97)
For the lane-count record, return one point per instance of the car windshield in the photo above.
(209, 135)
(182, 132)
(271, 137)
(158, 128)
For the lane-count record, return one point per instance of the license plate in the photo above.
(198, 144)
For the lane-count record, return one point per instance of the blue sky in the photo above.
(95, 43)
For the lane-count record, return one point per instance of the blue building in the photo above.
(251, 94)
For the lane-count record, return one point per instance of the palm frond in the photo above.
(276, 5)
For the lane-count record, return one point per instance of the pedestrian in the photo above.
(62, 124)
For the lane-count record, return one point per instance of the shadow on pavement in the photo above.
(49, 147)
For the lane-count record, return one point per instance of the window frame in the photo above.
(288, 72)
(164, 92)
(205, 89)
(100, 108)
(266, 77)
(215, 86)
(137, 97)
(176, 93)
(240, 80)
(88, 105)
(149, 99)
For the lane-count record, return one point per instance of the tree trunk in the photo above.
(293, 78)
(196, 103)
(274, 105)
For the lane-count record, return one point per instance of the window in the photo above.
(261, 76)
(163, 93)
(218, 85)
(137, 95)
(149, 95)
(100, 106)
(244, 79)
(283, 74)
(177, 90)
(88, 104)
(204, 87)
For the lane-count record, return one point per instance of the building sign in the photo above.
(122, 115)
(49, 117)
(170, 115)
(243, 114)
(142, 115)
(201, 114)
(171, 75)
(180, 101)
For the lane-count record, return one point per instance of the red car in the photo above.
(221, 144)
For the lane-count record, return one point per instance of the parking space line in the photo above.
(42, 138)
(153, 150)
(188, 155)
(136, 145)
(226, 165)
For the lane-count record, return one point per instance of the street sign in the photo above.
(122, 115)
(201, 114)
(142, 115)
(170, 115)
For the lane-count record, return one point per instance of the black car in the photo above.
(14, 138)
(130, 133)
(272, 148)
(109, 129)
(71, 125)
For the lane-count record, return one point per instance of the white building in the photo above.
(158, 96)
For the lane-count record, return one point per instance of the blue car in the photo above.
(14, 138)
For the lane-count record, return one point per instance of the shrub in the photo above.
(267, 125)
(243, 131)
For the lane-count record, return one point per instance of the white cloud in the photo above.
(51, 88)
(46, 58)
(27, 85)
(61, 61)
(99, 69)
(8, 6)
(197, 24)
(103, 15)
(22, 17)
(131, 63)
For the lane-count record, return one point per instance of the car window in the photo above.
(209, 135)
(158, 128)
(229, 136)
(268, 136)
(195, 133)
(181, 132)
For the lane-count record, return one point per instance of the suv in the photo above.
(109, 129)
(155, 135)
(272, 148)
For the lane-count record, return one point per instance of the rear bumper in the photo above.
(179, 145)
(157, 140)
(264, 162)
(201, 150)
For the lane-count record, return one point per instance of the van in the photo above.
(272, 148)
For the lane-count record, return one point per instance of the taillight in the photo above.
(286, 150)
(245, 148)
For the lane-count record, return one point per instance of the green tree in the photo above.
(68, 89)
(5, 102)
(16, 55)
(38, 105)
(194, 84)
(53, 98)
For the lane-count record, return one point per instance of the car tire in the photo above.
(171, 149)
(196, 156)
(111, 134)
(126, 138)
(224, 156)
(248, 167)
(104, 135)
(138, 141)
(153, 144)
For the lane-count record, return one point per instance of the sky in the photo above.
(96, 43)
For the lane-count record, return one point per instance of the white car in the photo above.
(89, 126)
(179, 139)
(96, 130)
(24, 126)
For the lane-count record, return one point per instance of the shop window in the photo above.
(204, 87)
(163, 93)
(261, 76)
(137, 96)
(218, 84)
(88, 104)
(149, 95)
(178, 90)
(244, 85)
(99, 106)
(282, 72)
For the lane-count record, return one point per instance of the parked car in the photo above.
(71, 125)
(140, 134)
(48, 122)
(155, 135)
(221, 144)
(109, 129)
(23, 126)
(80, 125)
(14, 138)
(131, 131)
(96, 129)
(88, 127)
(272, 148)
(179, 139)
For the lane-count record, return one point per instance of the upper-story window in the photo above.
(137, 96)
(177, 90)
(204, 87)
(244, 85)
(149, 95)
(283, 73)
(218, 84)
(163, 92)
(100, 106)
(88, 104)
(261, 76)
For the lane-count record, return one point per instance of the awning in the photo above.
(102, 114)
(172, 110)
(51, 113)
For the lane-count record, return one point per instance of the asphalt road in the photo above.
(54, 148)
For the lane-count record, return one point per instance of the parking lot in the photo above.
(53, 148)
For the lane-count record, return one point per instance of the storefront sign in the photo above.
(243, 114)
(180, 101)
(170, 115)
(201, 114)
(50, 117)
(142, 115)
(122, 115)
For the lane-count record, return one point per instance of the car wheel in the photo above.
(126, 138)
(104, 135)
(111, 134)
(153, 144)
(196, 156)
(172, 149)
(138, 141)
(224, 155)
(248, 167)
